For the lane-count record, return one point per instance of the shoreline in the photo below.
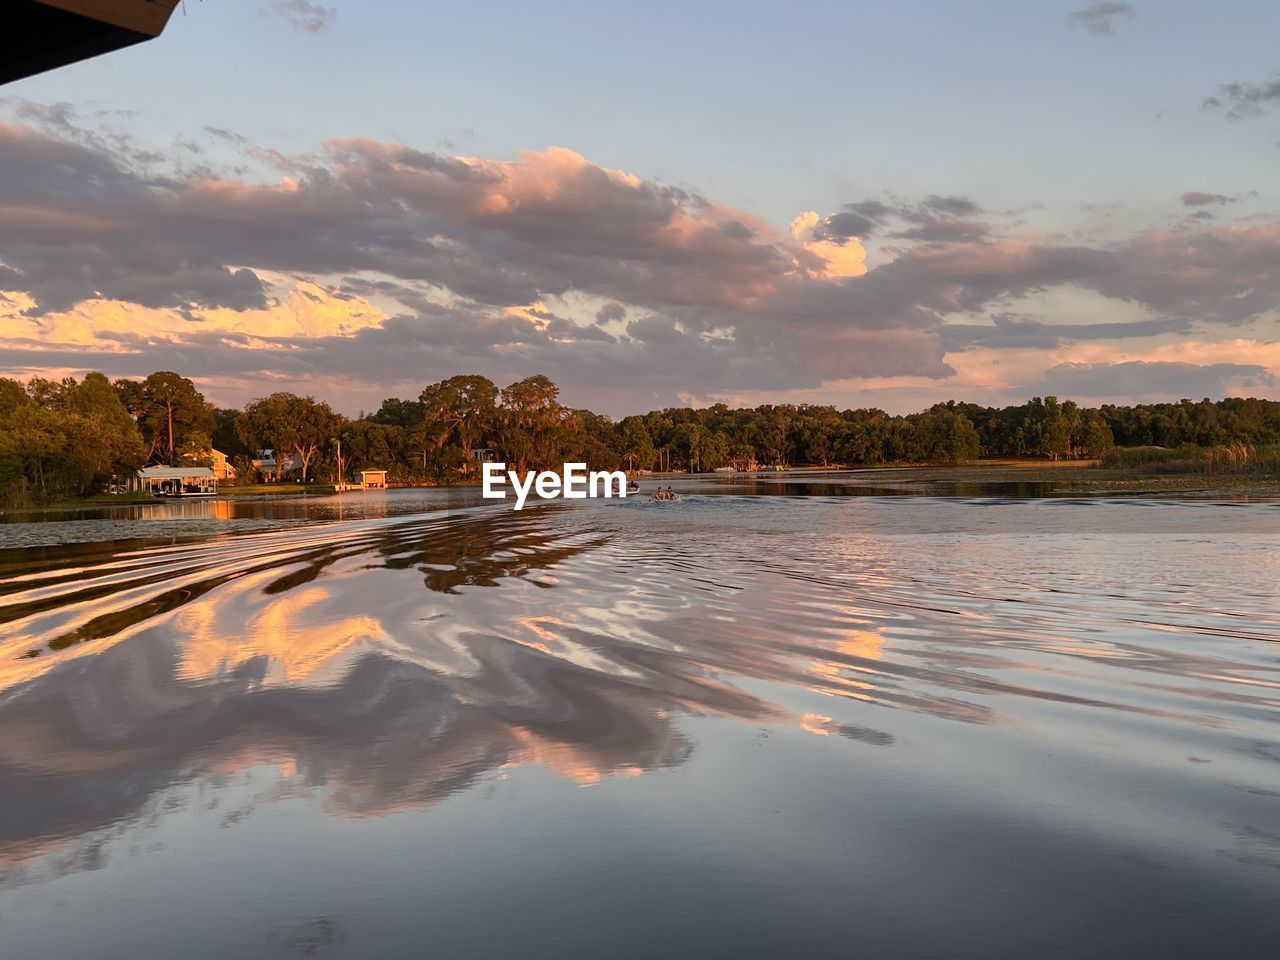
(1084, 476)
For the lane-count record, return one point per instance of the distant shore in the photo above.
(1082, 477)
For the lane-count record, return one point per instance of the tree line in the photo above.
(69, 437)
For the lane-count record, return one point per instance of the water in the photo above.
(412, 725)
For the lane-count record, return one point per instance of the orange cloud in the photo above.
(306, 310)
(846, 258)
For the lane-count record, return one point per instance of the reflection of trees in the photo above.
(478, 552)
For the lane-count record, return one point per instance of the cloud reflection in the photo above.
(385, 664)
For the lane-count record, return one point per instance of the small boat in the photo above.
(633, 487)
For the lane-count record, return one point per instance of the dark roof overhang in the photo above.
(43, 34)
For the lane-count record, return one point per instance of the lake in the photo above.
(769, 720)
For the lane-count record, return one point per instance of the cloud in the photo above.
(843, 257)
(951, 206)
(611, 311)
(1006, 331)
(1101, 18)
(305, 310)
(382, 264)
(459, 241)
(1240, 99)
(936, 218)
(1197, 198)
(305, 16)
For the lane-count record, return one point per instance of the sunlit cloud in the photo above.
(307, 310)
(843, 258)
(378, 266)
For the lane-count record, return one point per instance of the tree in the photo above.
(590, 438)
(172, 415)
(436, 425)
(12, 396)
(373, 444)
(63, 438)
(1050, 427)
(532, 421)
(397, 412)
(225, 438)
(460, 408)
(1096, 437)
(813, 433)
(30, 438)
(636, 444)
(693, 440)
(774, 425)
(262, 425)
(290, 424)
(313, 425)
(948, 436)
(714, 450)
(100, 431)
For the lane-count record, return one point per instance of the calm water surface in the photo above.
(414, 725)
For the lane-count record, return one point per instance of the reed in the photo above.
(1230, 459)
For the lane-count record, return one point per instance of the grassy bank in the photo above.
(1225, 460)
(275, 489)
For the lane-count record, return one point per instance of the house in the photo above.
(265, 464)
(218, 463)
(177, 481)
(222, 468)
(373, 479)
(485, 455)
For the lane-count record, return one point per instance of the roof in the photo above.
(175, 473)
(363, 472)
(44, 34)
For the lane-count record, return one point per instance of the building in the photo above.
(222, 468)
(218, 463)
(177, 481)
(265, 464)
(373, 479)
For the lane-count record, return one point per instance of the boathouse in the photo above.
(373, 479)
(178, 481)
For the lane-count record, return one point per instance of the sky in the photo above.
(863, 204)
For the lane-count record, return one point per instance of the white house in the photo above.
(265, 463)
